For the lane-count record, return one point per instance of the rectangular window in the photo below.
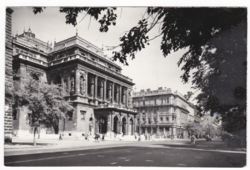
(14, 114)
(167, 100)
(161, 119)
(166, 118)
(83, 113)
(70, 116)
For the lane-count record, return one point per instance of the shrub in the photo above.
(226, 137)
(234, 141)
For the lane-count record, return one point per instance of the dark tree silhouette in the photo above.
(215, 39)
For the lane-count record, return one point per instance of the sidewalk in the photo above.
(47, 143)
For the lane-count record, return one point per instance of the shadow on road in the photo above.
(202, 144)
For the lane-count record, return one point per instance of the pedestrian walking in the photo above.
(135, 137)
(139, 138)
(96, 137)
(193, 140)
(103, 137)
(60, 137)
(87, 137)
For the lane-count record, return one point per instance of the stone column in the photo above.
(62, 82)
(77, 82)
(112, 122)
(157, 116)
(170, 118)
(125, 97)
(146, 117)
(120, 125)
(126, 127)
(92, 84)
(120, 95)
(96, 86)
(86, 83)
(68, 83)
(109, 124)
(113, 93)
(101, 88)
(105, 89)
(96, 126)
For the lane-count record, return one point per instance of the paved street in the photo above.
(161, 154)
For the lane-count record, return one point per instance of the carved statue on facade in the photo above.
(110, 88)
(72, 82)
(129, 98)
(66, 85)
(82, 85)
(123, 95)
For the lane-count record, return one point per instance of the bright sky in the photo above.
(148, 70)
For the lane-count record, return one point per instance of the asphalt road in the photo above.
(144, 154)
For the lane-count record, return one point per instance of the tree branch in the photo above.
(155, 37)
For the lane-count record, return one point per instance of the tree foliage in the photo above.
(105, 20)
(215, 40)
(45, 102)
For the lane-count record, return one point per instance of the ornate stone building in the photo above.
(100, 94)
(162, 112)
(8, 70)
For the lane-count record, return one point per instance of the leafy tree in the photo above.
(45, 102)
(215, 40)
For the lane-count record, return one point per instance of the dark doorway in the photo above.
(131, 126)
(102, 125)
(115, 125)
(124, 126)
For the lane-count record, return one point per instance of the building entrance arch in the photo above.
(102, 125)
(116, 124)
(124, 123)
(131, 126)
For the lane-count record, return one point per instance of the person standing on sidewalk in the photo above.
(60, 137)
(193, 140)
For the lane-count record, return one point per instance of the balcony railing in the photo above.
(31, 59)
(121, 107)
